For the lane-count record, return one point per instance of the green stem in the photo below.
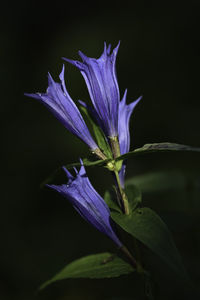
(124, 200)
(131, 259)
(114, 142)
(136, 264)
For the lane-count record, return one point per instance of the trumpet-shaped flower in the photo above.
(59, 102)
(101, 81)
(125, 112)
(87, 202)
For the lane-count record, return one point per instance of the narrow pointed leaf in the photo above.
(99, 135)
(86, 163)
(146, 226)
(110, 199)
(103, 265)
(134, 196)
(158, 147)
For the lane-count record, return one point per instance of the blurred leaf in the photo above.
(173, 190)
(160, 181)
(146, 226)
(103, 265)
(99, 135)
(134, 196)
(158, 147)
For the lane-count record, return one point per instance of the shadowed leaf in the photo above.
(134, 196)
(159, 181)
(103, 265)
(146, 226)
(158, 147)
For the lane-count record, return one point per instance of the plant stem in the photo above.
(123, 198)
(131, 259)
(114, 142)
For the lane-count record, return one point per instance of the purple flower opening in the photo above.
(101, 81)
(87, 202)
(125, 112)
(59, 102)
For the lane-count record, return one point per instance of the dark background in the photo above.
(158, 58)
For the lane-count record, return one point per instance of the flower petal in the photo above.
(59, 102)
(125, 112)
(101, 80)
(88, 203)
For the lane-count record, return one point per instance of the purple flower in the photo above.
(125, 112)
(101, 80)
(87, 202)
(59, 102)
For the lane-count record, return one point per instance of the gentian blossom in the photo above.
(125, 112)
(101, 81)
(87, 202)
(59, 102)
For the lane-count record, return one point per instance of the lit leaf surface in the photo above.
(103, 265)
(146, 226)
(158, 147)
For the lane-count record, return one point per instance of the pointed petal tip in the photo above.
(75, 63)
(52, 186)
(50, 79)
(82, 170)
(123, 101)
(81, 161)
(82, 55)
(109, 49)
(75, 170)
(61, 76)
(69, 175)
(115, 50)
(138, 99)
(134, 103)
(71, 61)
(29, 94)
(33, 95)
(106, 50)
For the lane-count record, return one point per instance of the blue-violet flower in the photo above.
(101, 80)
(125, 112)
(87, 202)
(59, 102)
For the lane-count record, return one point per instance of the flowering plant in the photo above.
(109, 143)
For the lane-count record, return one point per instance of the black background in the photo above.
(158, 58)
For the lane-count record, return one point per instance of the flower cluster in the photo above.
(110, 113)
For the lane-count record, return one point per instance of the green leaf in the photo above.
(99, 135)
(174, 190)
(158, 147)
(86, 163)
(103, 265)
(109, 198)
(134, 196)
(159, 181)
(146, 226)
